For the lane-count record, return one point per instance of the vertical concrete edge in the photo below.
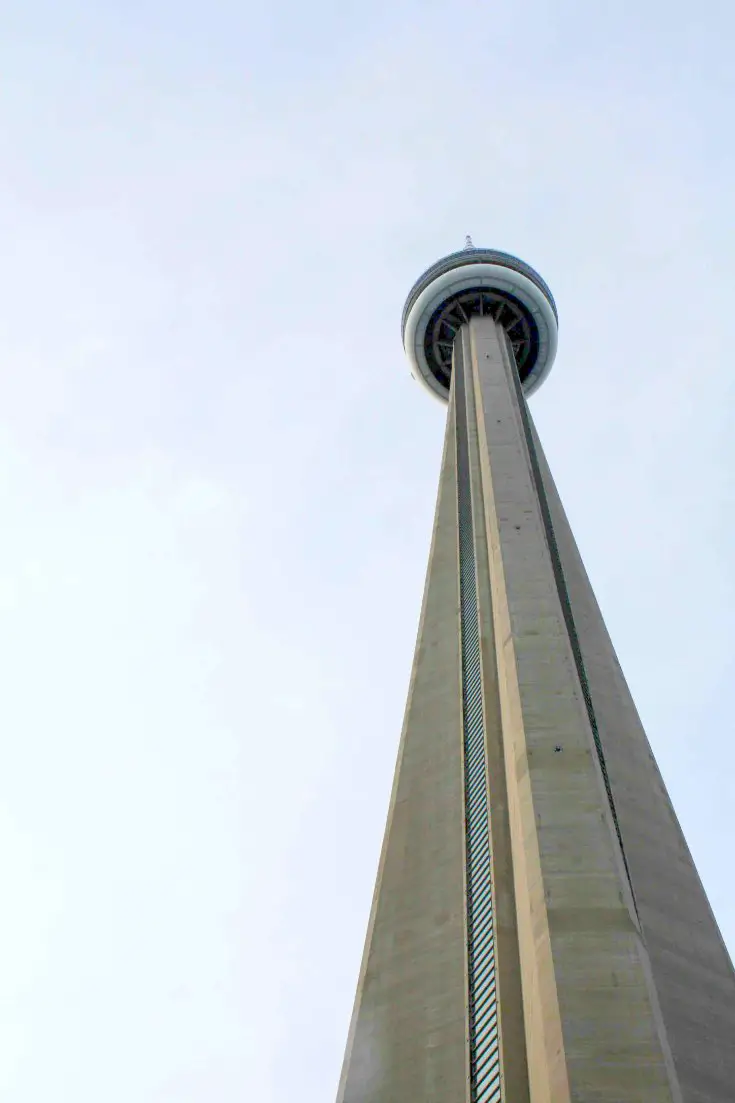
(514, 1060)
(542, 1016)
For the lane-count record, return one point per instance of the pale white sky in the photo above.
(217, 478)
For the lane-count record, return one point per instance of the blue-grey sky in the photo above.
(217, 478)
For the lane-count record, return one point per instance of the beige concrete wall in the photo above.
(692, 971)
(593, 1031)
(408, 1035)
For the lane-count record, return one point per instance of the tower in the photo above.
(538, 933)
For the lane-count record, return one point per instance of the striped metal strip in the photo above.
(484, 1035)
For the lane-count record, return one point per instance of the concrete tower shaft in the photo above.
(538, 930)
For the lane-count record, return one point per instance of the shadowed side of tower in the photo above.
(407, 1038)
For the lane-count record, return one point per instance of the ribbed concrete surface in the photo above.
(692, 971)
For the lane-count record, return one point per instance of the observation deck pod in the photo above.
(485, 282)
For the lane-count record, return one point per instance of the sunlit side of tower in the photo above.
(539, 933)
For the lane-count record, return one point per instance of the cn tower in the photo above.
(538, 932)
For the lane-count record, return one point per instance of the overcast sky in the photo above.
(217, 478)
